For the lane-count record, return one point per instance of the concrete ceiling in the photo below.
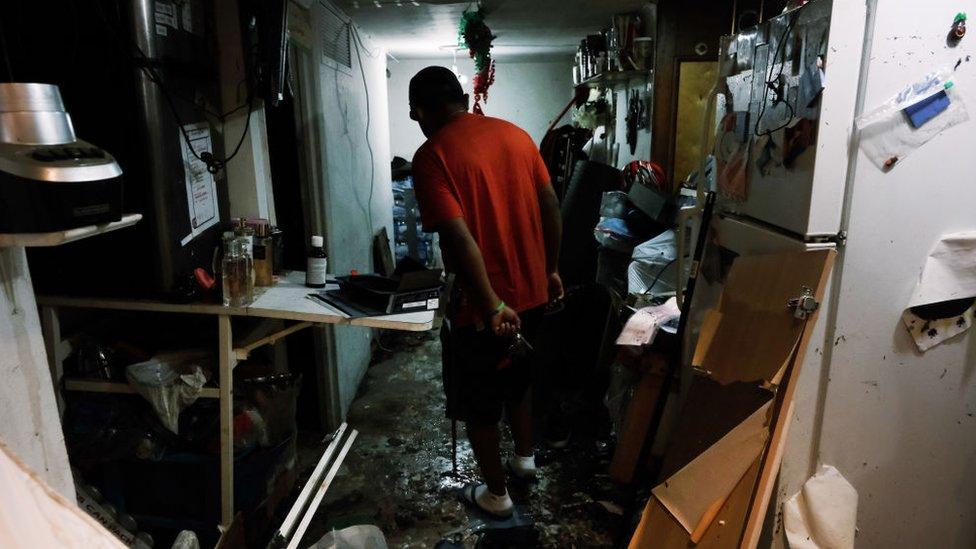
(428, 28)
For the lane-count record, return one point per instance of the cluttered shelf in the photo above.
(610, 78)
(57, 238)
(287, 300)
(118, 387)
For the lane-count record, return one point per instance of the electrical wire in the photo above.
(771, 83)
(369, 146)
(214, 165)
(202, 108)
(658, 276)
(359, 40)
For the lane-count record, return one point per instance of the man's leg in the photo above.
(520, 418)
(487, 451)
(469, 381)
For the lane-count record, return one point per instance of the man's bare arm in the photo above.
(552, 229)
(552, 226)
(464, 257)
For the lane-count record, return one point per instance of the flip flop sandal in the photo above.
(531, 479)
(466, 495)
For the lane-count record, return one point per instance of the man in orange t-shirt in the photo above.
(483, 187)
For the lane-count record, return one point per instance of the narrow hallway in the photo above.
(398, 475)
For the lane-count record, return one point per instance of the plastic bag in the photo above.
(614, 204)
(186, 540)
(361, 536)
(170, 382)
(613, 233)
(654, 269)
(888, 135)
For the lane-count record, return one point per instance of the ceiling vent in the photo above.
(335, 36)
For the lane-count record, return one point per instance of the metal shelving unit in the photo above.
(610, 78)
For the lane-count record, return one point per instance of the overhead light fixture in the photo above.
(457, 72)
(460, 76)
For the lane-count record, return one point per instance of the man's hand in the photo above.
(555, 288)
(505, 323)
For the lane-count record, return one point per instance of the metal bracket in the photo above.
(842, 238)
(804, 305)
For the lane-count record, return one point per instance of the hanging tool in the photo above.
(636, 114)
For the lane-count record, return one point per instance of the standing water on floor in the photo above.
(398, 475)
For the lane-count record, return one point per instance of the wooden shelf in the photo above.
(616, 77)
(58, 238)
(288, 300)
(118, 388)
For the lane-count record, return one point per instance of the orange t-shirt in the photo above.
(489, 172)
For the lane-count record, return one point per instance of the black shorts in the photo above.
(480, 376)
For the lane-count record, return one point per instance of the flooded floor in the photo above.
(398, 475)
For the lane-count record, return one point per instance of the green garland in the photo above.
(474, 34)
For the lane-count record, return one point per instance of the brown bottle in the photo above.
(317, 264)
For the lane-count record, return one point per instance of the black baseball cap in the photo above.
(434, 87)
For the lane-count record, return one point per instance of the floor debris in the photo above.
(398, 475)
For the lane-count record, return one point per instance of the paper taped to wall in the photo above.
(201, 191)
(888, 135)
(823, 514)
(740, 85)
(732, 155)
(944, 302)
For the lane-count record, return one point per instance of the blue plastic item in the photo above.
(927, 109)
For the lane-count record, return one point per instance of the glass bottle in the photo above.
(238, 279)
(246, 231)
(315, 274)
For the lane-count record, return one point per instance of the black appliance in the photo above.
(375, 295)
(131, 73)
(50, 180)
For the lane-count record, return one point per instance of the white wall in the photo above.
(528, 93)
(29, 422)
(249, 173)
(353, 199)
(899, 424)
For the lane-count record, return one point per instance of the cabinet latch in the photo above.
(804, 305)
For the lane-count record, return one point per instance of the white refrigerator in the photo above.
(800, 207)
(896, 422)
